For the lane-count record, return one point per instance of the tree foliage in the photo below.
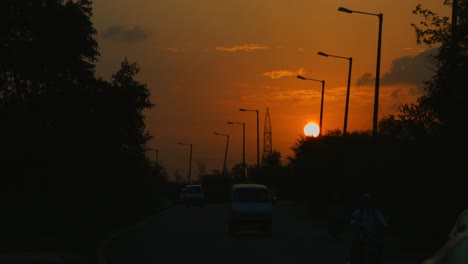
(71, 142)
(272, 159)
(132, 98)
(442, 106)
(437, 115)
(414, 121)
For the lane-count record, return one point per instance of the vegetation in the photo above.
(73, 165)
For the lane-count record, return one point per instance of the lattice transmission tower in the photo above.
(267, 146)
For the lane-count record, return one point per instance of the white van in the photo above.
(250, 208)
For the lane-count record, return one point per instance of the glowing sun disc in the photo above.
(311, 129)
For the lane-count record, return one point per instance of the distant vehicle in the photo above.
(193, 194)
(250, 208)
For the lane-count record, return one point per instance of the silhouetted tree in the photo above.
(201, 169)
(446, 88)
(237, 173)
(216, 186)
(415, 121)
(273, 174)
(132, 97)
(71, 142)
(335, 132)
(272, 160)
(178, 178)
(432, 125)
(442, 107)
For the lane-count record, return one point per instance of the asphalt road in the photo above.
(199, 235)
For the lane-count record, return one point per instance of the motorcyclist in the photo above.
(368, 225)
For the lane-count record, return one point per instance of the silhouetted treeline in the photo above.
(73, 166)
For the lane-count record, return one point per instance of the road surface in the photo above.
(199, 235)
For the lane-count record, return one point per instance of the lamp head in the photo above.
(300, 77)
(342, 9)
(242, 109)
(322, 54)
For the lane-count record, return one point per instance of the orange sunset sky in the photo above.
(203, 60)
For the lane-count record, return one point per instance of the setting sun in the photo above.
(311, 130)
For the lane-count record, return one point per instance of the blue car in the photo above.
(193, 194)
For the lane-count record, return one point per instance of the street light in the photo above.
(321, 100)
(190, 160)
(258, 137)
(225, 154)
(350, 59)
(243, 144)
(377, 68)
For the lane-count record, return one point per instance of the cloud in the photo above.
(281, 95)
(120, 33)
(247, 47)
(283, 73)
(173, 49)
(366, 79)
(411, 70)
(414, 50)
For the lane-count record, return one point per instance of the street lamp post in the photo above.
(350, 59)
(377, 67)
(321, 100)
(190, 160)
(258, 136)
(226, 152)
(243, 145)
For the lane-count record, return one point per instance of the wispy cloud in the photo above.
(415, 50)
(173, 49)
(120, 33)
(283, 73)
(247, 47)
